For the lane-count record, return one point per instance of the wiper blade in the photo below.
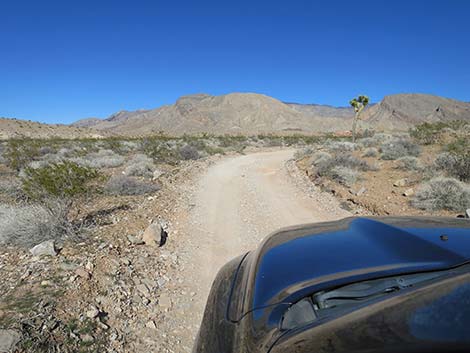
(368, 289)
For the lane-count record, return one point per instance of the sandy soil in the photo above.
(234, 205)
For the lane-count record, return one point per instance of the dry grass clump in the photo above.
(188, 152)
(343, 168)
(455, 165)
(140, 165)
(302, 153)
(12, 188)
(100, 159)
(340, 146)
(370, 152)
(399, 147)
(29, 225)
(344, 175)
(409, 163)
(124, 185)
(442, 194)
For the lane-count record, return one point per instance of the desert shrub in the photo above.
(381, 138)
(399, 147)
(100, 159)
(189, 152)
(29, 225)
(64, 180)
(442, 194)
(19, 152)
(445, 161)
(429, 133)
(367, 142)
(454, 165)
(409, 163)
(370, 152)
(124, 185)
(322, 161)
(340, 146)
(302, 153)
(11, 188)
(460, 146)
(140, 165)
(344, 175)
(160, 150)
(349, 161)
(325, 164)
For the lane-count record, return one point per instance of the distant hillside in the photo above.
(401, 111)
(12, 128)
(235, 113)
(251, 113)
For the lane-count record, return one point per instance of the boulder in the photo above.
(154, 235)
(467, 213)
(45, 248)
(8, 340)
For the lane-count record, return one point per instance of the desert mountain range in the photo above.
(251, 113)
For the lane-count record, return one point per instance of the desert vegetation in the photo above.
(424, 171)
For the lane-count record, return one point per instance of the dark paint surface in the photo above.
(251, 294)
(365, 246)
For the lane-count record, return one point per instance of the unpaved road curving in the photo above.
(235, 204)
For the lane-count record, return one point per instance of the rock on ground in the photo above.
(45, 248)
(8, 340)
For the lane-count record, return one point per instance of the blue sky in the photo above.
(65, 60)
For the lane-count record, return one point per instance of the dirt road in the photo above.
(236, 203)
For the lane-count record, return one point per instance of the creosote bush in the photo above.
(63, 180)
(442, 194)
(124, 185)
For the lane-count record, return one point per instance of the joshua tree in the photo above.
(358, 104)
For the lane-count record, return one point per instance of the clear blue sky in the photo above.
(65, 60)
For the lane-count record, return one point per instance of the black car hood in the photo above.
(297, 261)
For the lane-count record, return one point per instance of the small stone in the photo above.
(154, 234)
(45, 248)
(8, 340)
(134, 240)
(151, 324)
(143, 289)
(157, 174)
(467, 213)
(86, 338)
(164, 301)
(93, 312)
(81, 272)
(161, 282)
(89, 266)
(46, 283)
(361, 191)
(408, 192)
(400, 182)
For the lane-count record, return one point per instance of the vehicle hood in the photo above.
(298, 261)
